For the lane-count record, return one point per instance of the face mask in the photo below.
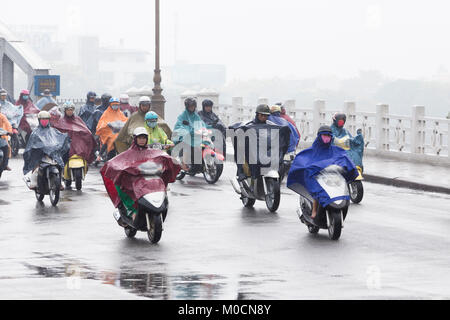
(45, 122)
(115, 107)
(25, 97)
(326, 139)
(152, 124)
(341, 123)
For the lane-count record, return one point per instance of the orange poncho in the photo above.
(107, 136)
(4, 124)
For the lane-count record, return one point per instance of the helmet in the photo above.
(151, 115)
(113, 100)
(207, 103)
(279, 104)
(25, 91)
(124, 98)
(3, 92)
(339, 119)
(190, 102)
(46, 92)
(325, 129)
(68, 105)
(275, 108)
(105, 98)
(263, 109)
(139, 131)
(144, 99)
(44, 115)
(91, 94)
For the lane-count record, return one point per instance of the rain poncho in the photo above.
(87, 115)
(44, 101)
(294, 137)
(137, 119)
(186, 132)
(310, 162)
(212, 121)
(45, 141)
(123, 171)
(127, 109)
(353, 145)
(28, 108)
(157, 135)
(106, 134)
(5, 125)
(290, 120)
(12, 112)
(258, 131)
(82, 143)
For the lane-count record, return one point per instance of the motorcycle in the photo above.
(331, 217)
(75, 170)
(286, 165)
(265, 188)
(102, 155)
(356, 187)
(19, 139)
(3, 143)
(48, 180)
(212, 160)
(151, 208)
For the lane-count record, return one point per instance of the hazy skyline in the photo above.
(264, 39)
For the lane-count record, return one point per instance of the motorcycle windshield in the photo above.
(333, 182)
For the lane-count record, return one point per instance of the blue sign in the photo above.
(51, 83)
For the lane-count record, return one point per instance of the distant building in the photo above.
(200, 75)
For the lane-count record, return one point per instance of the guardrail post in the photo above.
(350, 111)
(237, 109)
(418, 130)
(318, 115)
(382, 127)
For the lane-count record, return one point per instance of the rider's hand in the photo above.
(168, 146)
(186, 123)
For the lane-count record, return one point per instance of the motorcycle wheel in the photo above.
(181, 175)
(78, 176)
(55, 185)
(248, 202)
(212, 173)
(15, 145)
(313, 229)
(130, 232)
(39, 197)
(155, 232)
(356, 191)
(273, 195)
(335, 228)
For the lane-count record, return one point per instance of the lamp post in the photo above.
(158, 100)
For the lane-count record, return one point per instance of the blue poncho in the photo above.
(12, 112)
(294, 137)
(182, 132)
(310, 162)
(353, 145)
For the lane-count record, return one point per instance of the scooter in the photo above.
(333, 216)
(75, 170)
(102, 155)
(48, 180)
(286, 165)
(17, 141)
(151, 208)
(356, 187)
(265, 188)
(212, 160)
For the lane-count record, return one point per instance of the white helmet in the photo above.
(44, 115)
(144, 99)
(139, 131)
(124, 98)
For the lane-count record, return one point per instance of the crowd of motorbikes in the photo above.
(325, 192)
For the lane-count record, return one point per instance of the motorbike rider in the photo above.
(275, 117)
(12, 112)
(125, 106)
(137, 119)
(342, 138)
(86, 112)
(213, 121)
(45, 140)
(155, 133)
(28, 108)
(105, 131)
(285, 116)
(46, 99)
(4, 146)
(184, 132)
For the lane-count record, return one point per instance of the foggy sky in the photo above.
(264, 39)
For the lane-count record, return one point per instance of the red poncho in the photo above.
(82, 142)
(28, 108)
(123, 171)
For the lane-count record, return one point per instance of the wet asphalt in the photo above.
(394, 246)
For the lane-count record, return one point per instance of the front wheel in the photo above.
(335, 228)
(248, 202)
(78, 176)
(181, 175)
(212, 172)
(356, 191)
(55, 187)
(39, 196)
(273, 194)
(130, 232)
(313, 229)
(15, 145)
(155, 231)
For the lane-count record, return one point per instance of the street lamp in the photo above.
(158, 100)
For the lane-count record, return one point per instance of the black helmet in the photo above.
(325, 129)
(263, 109)
(105, 98)
(190, 102)
(207, 103)
(91, 94)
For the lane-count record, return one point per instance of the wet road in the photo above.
(394, 245)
